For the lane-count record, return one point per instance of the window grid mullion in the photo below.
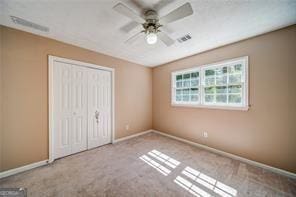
(202, 87)
(227, 82)
(215, 100)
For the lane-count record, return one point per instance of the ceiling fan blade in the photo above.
(129, 27)
(165, 39)
(122, 9)
(133, 38)
(161, 4)
(179, 13)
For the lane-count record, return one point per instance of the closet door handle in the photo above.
(97, 114)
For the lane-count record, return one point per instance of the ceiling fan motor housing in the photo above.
(151, 14)
(151, 25)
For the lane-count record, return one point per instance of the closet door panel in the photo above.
(62, 109)
(105, 106)
(79, 107)
(99, 108)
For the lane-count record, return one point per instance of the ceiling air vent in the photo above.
(184, 38)
(26, 23)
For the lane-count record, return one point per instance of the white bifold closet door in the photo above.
(99, 107)
(70, 109)
(82, 108)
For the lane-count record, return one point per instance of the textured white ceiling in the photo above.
(92, 24)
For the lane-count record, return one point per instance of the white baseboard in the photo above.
(41, 163)
(132, 136)
(251, 162)
(22, 168)
(232, 156)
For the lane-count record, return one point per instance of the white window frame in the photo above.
(201, 69)
(174, 74)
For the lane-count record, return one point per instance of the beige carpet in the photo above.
(150, 165)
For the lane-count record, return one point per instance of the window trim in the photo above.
(173, 87)
(201, 69)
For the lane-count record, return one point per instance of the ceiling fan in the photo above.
(151, 22)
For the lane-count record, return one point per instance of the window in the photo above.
(187, 87)
(219, 85)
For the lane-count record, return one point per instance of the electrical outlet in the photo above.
(205, 134)
(127, 127)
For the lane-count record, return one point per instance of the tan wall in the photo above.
(25, 81)
(267, 132)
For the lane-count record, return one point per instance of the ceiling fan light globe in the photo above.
(151, 38)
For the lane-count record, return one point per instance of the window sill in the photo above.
(211, 107)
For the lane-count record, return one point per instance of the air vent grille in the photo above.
(184, 38)
(26, 23)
